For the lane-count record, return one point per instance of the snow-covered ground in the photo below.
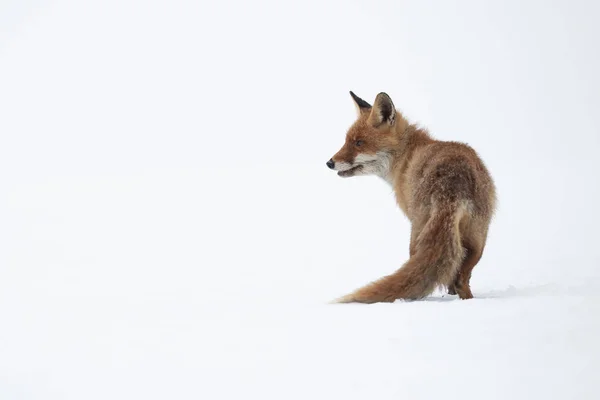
(169, 230)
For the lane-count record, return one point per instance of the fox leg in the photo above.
(452, 289)
(460, 285)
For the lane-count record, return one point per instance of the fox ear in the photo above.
(361, 105)
(383, 110)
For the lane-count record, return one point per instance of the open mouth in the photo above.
(350, 172)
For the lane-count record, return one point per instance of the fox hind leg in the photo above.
(452, 289)
(461, 284)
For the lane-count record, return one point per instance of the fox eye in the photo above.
(359, 143)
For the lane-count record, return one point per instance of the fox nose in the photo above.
(330, 163)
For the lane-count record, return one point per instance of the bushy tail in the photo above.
(435, 262)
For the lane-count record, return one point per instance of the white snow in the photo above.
(169, 229)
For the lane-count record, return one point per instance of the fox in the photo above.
(442, 187)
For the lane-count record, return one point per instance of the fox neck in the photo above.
(410, 138)
(384, 166)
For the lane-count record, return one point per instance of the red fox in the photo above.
(443, 188)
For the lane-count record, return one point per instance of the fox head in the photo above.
(369, 141)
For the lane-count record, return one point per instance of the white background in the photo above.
(168, 228)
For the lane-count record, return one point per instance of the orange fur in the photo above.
(444, 189)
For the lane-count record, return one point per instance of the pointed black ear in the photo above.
(360, 103)
(383, 110)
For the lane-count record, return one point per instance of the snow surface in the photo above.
(169, 229)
